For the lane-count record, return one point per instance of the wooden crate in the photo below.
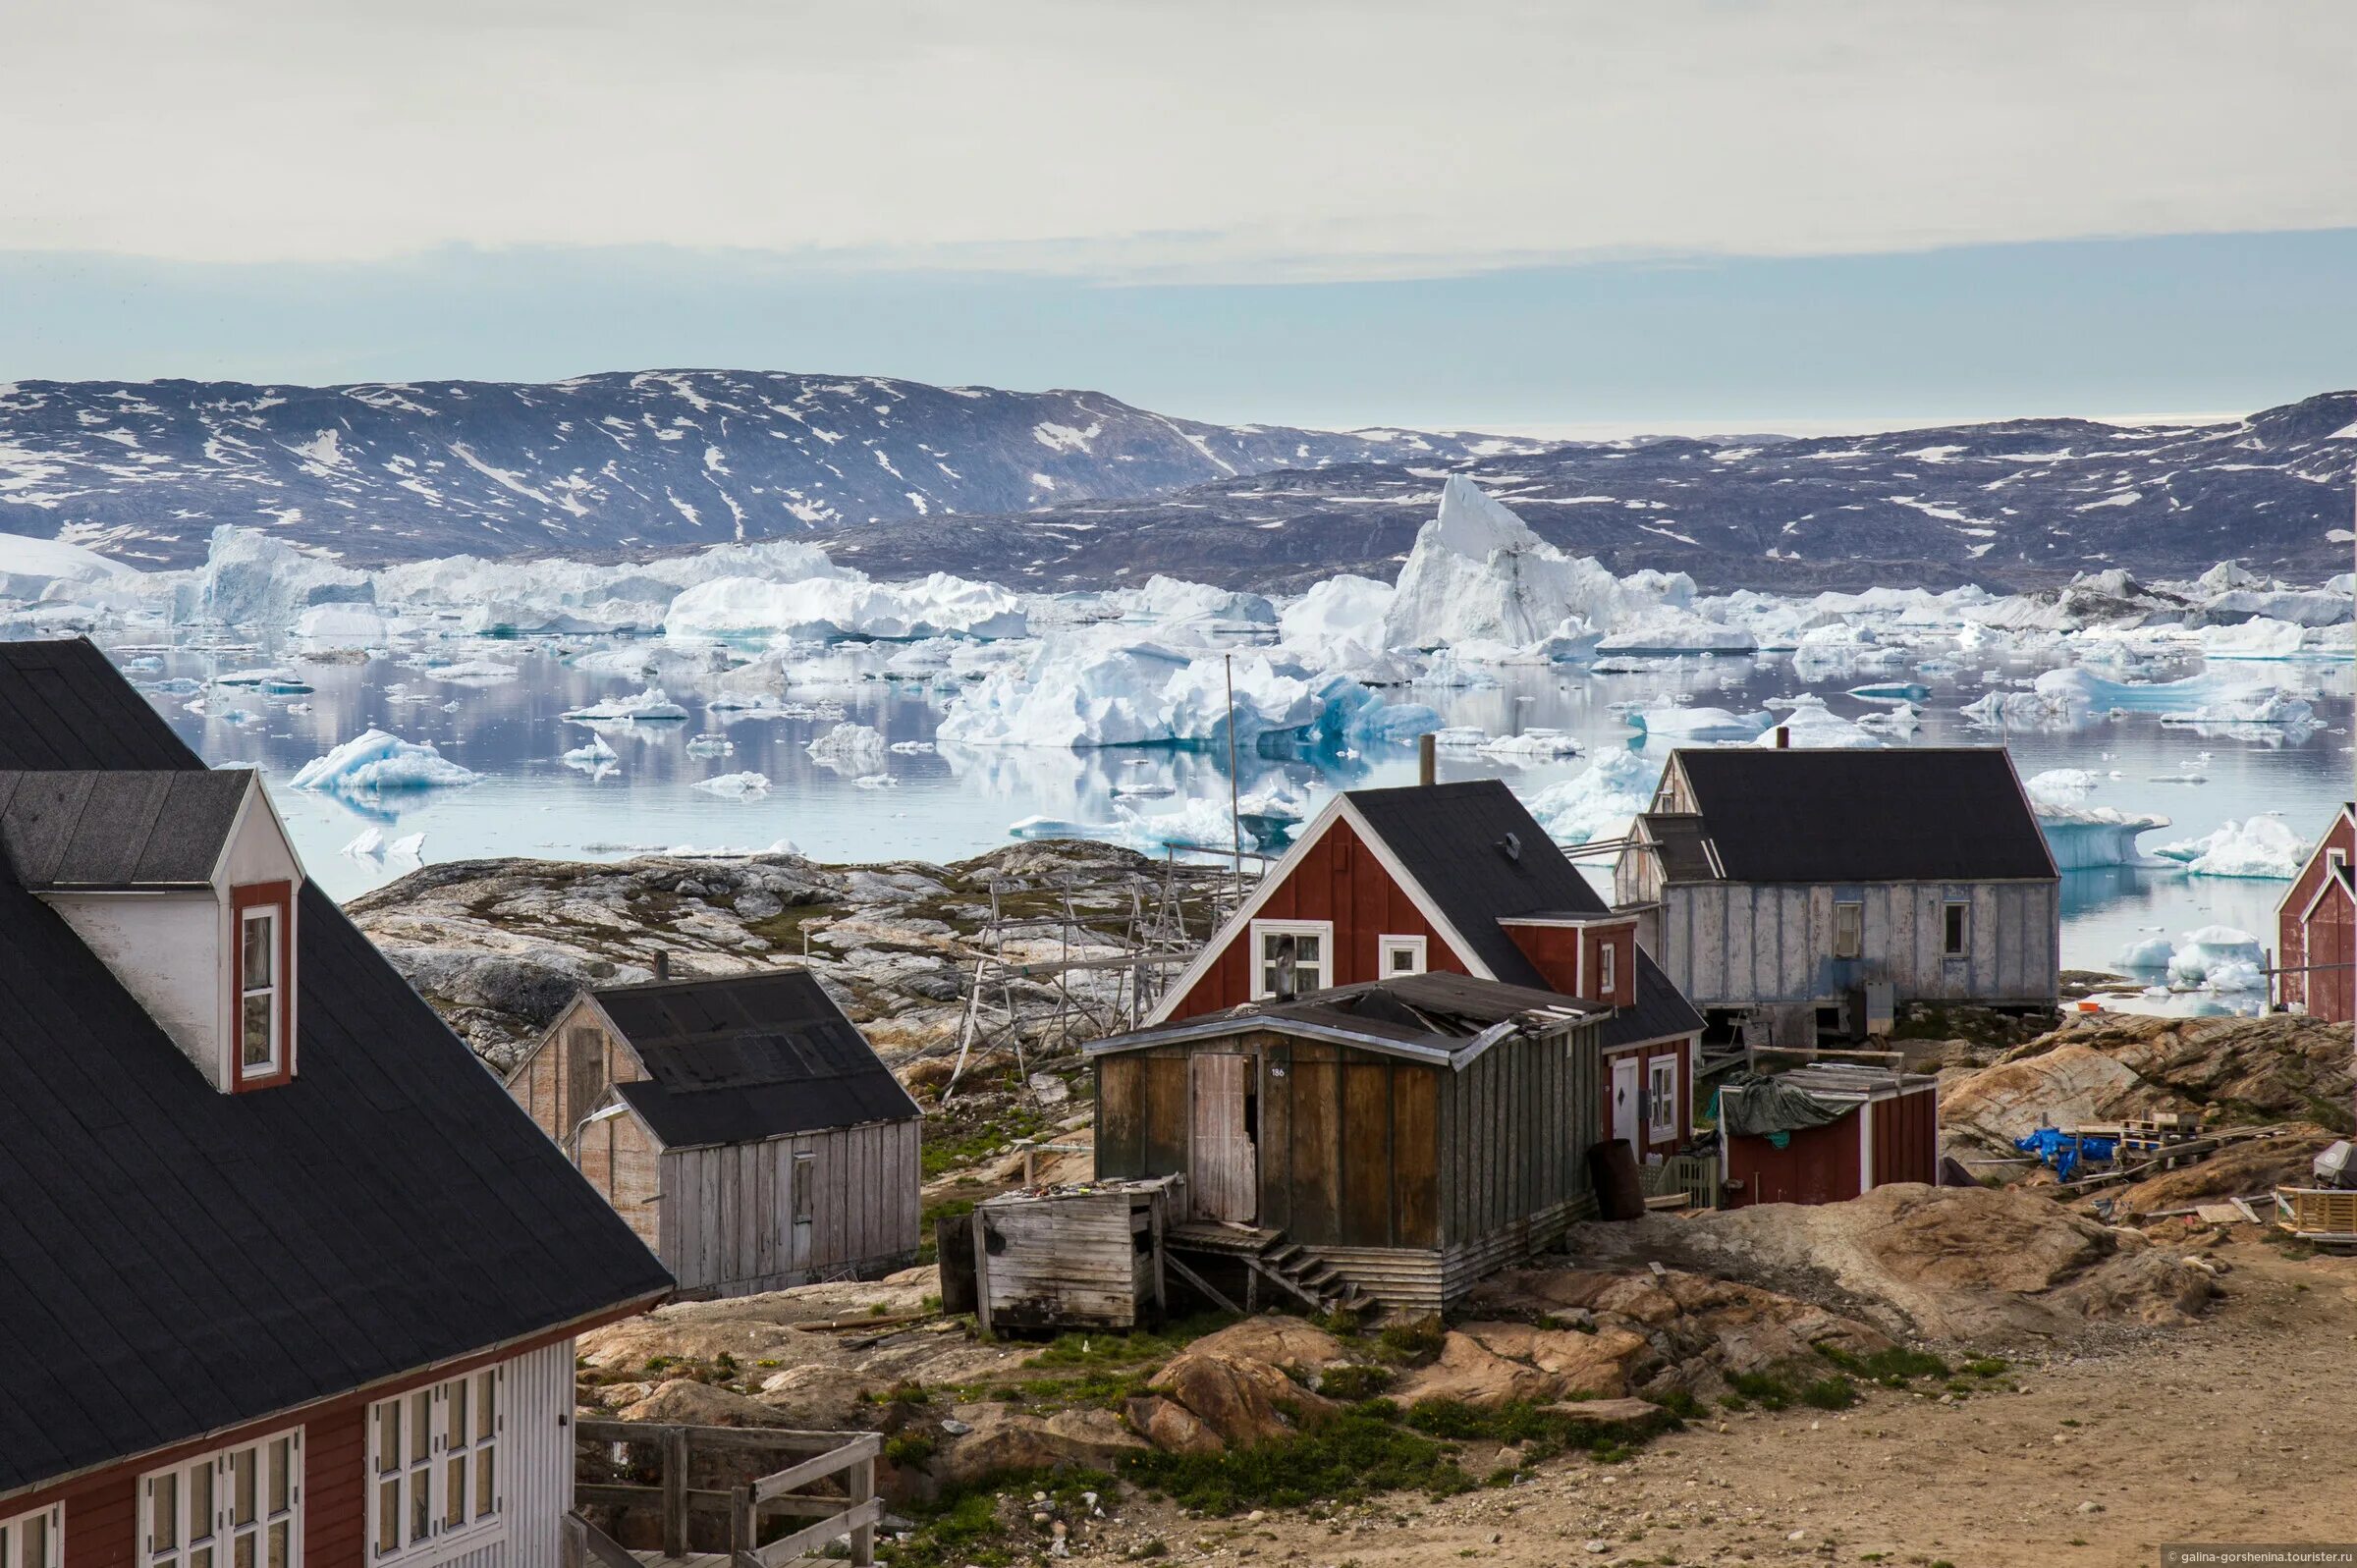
(2318, 1213)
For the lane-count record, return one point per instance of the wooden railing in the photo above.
(2318, 1213)
(847, 1458)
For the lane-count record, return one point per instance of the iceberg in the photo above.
(1699, 724)
(1080, 690)
(1173, 603)
(1812, 725)
(373, 762)
(2257, 638)
(736, 785)
(1478, 572)
(711, 746)
(2152, 952)
(408, 847)
(33, 570)
(342, 626)
(2261, 847)
(1338, 622)
(1600, 803)
(251, 579)
(1671, 632)
(366, 844)
(474, 672)
(2082, 836)
(832, 609)
(2219, 957)
(650, 706)
(850, 748)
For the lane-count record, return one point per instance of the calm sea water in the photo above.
(955, 802)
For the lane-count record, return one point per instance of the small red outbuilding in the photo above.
(1821, 1134)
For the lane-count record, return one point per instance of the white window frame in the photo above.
(248, 917)
(227, 1539)
(1387, 948)
(1323, 969)
(413, 1478)
(1661, 1109)
(802, 1193)
(1964, 946)
(15, 1537)
(1608, 959)
(1857, 945)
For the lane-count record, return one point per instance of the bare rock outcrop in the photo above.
(1967, 1264)
(999, 1439)
(1236, 1399)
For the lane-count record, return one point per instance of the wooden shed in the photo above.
(1085, 1255)
(1824, 1134)
(741, 1125)
(1398, 1139)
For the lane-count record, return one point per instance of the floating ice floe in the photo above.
(342, 626)
(1699, 724)
(2082, 834)
(1339, 623)
(408, 847)
(826, 609)
(1811, 726)
(650, 706)
(595, 754)
(2260, 847)
(1600, 803)
(373, 762)
(271, 677)
(474, 672)
(1173, 604)
(854, 749)
(1892, 691)
(1671, 631)
(2219, 957)
(366, 844)
(875, 780)
(1080, 690)
(736, 785)
(1531, 745)
(711, 746)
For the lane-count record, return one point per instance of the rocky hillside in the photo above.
(499, 947)
(2022, 504)
(604, 463)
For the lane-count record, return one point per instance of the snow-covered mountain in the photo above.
(619, 462)
(2024, 503)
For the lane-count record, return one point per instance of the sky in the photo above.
(1680, 215)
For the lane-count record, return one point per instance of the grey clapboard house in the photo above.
(741, 1125)
(1800, 893)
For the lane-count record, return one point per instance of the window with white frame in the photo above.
(433, 1465)
(263, 955)
(805, 1181)
(1661, 1097)
(237, 1507)
(1300, 949)
(1955, 930)
(1401, 956)
(1607, 968)
(34, 1540)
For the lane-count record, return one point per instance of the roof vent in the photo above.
(1511, 844)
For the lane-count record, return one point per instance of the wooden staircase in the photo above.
(1268, 1255)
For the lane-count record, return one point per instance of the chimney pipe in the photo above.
(1427, 761)
(1783, 738)
(662, 964)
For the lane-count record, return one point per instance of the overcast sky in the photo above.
(1182, 199)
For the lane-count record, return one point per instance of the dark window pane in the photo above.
(258, 970)
(258, 1046)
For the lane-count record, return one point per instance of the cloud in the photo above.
(1158, 139)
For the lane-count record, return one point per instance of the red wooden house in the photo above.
(285, 1276)
(1825, 1133)
(2317, 927)
(1458, 878)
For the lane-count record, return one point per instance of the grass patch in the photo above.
(1351, 1385)
(945, 1152)
(1105, 1348)
(1355, 1454)
(1411, 1344)
(989, 1524)
(1829, 1393)
(1897, 1363)
(1762, 1388)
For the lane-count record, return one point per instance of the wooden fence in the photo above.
(844, 1461)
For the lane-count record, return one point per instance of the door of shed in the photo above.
(1222, 1174)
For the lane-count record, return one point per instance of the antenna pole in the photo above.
(1235, 823)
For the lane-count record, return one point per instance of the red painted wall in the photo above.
(1906, 1138)
(2328, 937)
(1818, 1164)
(1339, 878)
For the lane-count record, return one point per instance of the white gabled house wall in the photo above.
(175, 949)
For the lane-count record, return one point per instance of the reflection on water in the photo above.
(961, 801)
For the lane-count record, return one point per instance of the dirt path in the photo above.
(2202, 1434)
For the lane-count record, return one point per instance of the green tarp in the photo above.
(1755, 1106)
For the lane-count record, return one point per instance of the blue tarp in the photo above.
(2063, 1151)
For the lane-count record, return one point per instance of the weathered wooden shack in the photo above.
(1802, 894)
(1085, 1255)
(1398, 1139)
(741, 1125)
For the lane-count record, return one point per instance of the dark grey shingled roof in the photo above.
(1953, 814)
(1662, 1010)
(179, 1259)
(748, 1056)
(86, 828)
(1450, 836)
